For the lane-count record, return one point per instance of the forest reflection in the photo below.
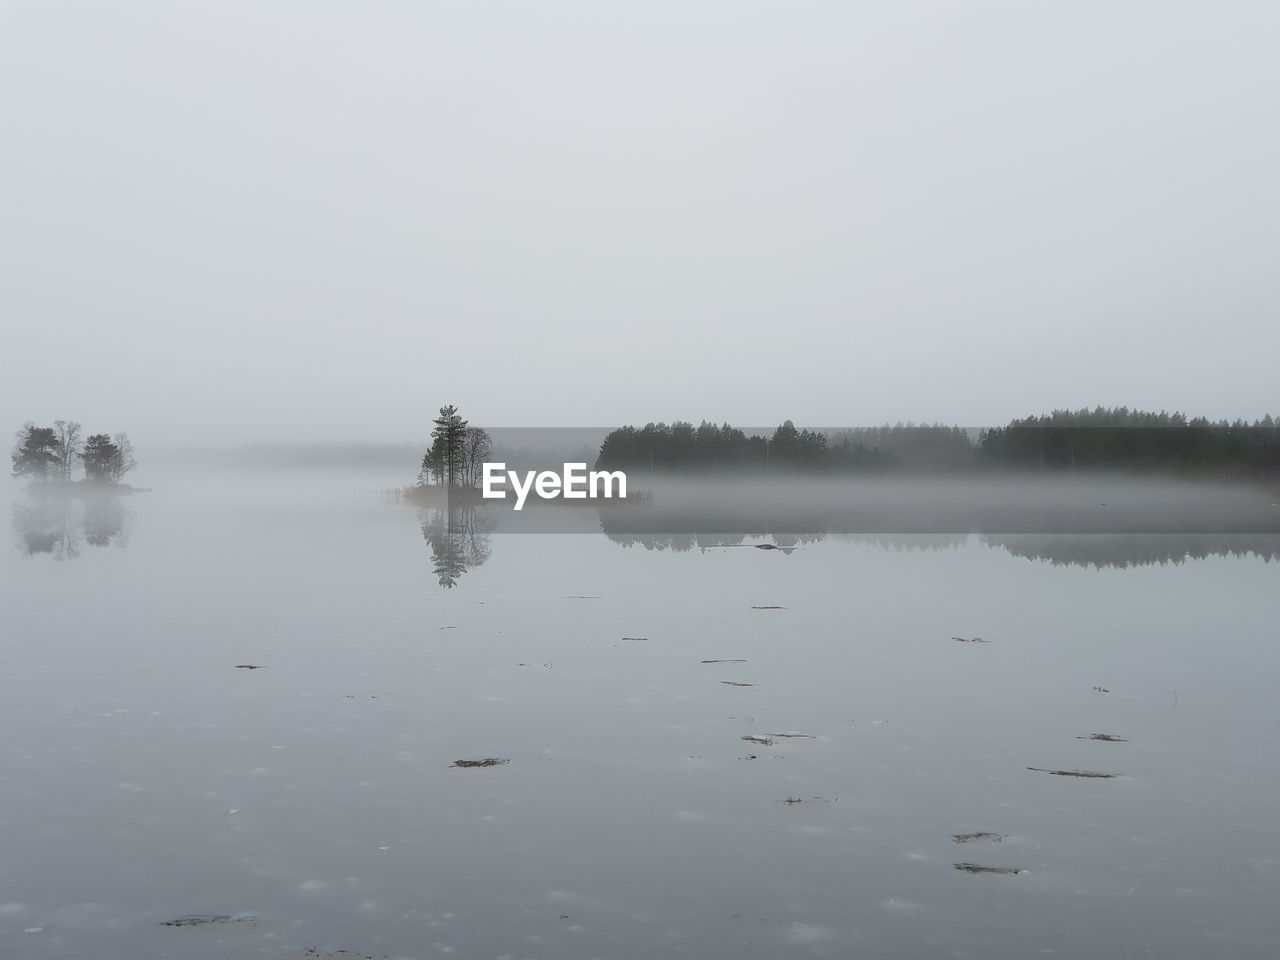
(459, 539)
(1059, 549)
(61, 525)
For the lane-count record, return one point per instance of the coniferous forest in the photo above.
(1101, 438)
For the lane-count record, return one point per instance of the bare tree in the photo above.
(124, 460)
(68, 436)
(476, 445)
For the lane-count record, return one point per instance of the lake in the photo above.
(865, 744)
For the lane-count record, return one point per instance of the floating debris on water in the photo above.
(772, 546)
(1101, 690)
(976, 837)
(201, 919)
(989, 871)
(794, 736)
(969, 640)
(763, 741)
(768, 608)
(316, 952)
(1086, 774)
(486, 762)
(582, 598)
(1104, 737)
(792, 801)
(634, 639)
(724, 661)
(735, 683)
(249, 666)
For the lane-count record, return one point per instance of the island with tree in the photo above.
(453, 465)
(49, 457)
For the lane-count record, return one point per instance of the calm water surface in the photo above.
(144, 778)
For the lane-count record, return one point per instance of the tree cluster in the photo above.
(457, 453)
(1120, 437)
(1085, 439)
(681, 446)
(51, 453)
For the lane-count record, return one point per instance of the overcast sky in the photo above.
(308, 219)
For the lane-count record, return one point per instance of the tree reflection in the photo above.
(59, 525)
(1135, 550)
(459, 539)
(1098, 550)
(680, 542)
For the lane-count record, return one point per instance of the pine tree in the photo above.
(99, 457)
(446, 453)
(36, 453)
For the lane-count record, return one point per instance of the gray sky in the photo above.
(308, 219)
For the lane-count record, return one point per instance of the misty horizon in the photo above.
(856, 210)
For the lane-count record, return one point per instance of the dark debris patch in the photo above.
(249, 666)
(486, 762)
(204, 919)
(1104, 737)
(792, 801)
(736, 683)
(1101, 690)
(794, 736)
(1085, 774)
(320, 954)
(724, 661)
(969, 640)
(978, 868)
(768, 608)
(981, 835)
(763, 741)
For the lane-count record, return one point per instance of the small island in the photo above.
(48, 457)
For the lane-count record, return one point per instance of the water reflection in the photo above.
(1084, 550)
(994, 505)
(59, 526)
(1114, 550)
(680, 542)
(459, 539)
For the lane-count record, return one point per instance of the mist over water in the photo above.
(965, 650)
(895, 684)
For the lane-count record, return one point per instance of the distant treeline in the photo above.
(1102, 437)
(1121, 437)
(682, 446)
